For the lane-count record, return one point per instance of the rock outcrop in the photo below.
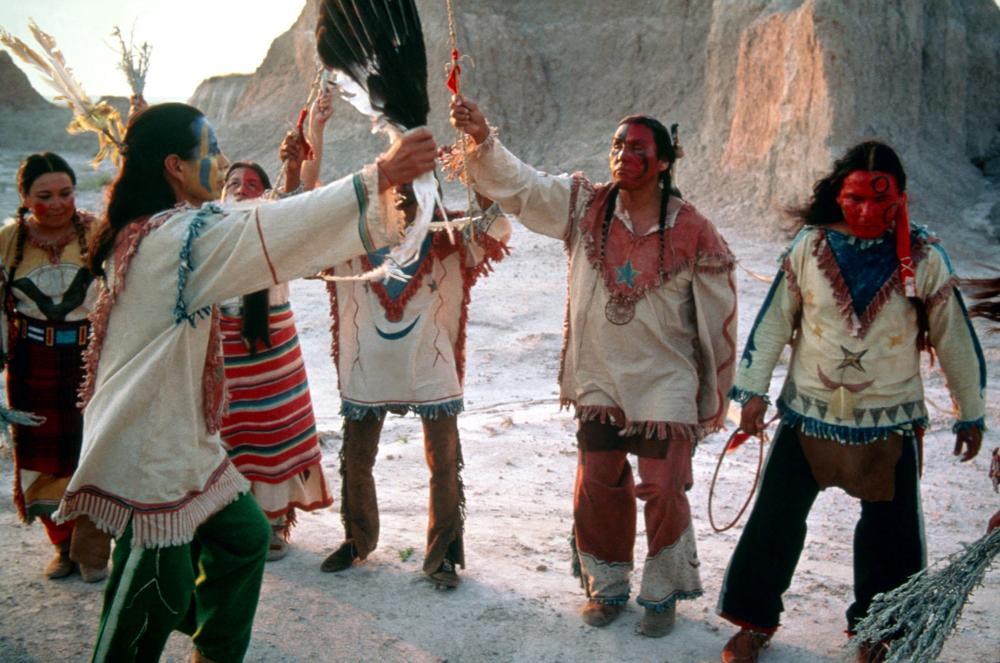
(16, 92)
(217, 96)
(767, 92)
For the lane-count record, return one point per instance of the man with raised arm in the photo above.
(648, 353)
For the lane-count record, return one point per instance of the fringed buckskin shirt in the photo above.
(155, 388)
(666, 371)
(400, 347)
(855, 370)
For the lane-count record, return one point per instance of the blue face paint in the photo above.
(207, 152)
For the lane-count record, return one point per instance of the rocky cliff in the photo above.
(16, 92)
(767, 92)
(217, 96)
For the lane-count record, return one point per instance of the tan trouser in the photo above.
(359, 502)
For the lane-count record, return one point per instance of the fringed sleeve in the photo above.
(953, 337)
(231, 252)
(774, 325)
(486, 241)
(546, 204)
(714, 290)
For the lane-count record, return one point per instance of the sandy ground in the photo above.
(518, 600)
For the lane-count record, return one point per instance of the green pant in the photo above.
(207, 588)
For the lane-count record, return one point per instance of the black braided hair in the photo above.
(665, 151)
(22, 237)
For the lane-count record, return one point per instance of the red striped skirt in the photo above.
(44, 371)
(270, 430)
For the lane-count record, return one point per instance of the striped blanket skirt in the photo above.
(270, 430)
(44, 371)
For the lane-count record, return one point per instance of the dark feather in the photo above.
(380, 45)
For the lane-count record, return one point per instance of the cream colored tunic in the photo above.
(667, 371)
(147, 454)
(407, 353)
(856, 378)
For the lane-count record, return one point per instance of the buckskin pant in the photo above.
(359, 502)
(604, 522)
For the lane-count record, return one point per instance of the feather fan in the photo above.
(377, 49)
(379, 44)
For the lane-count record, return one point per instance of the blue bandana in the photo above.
(865, 266)
(394, 288)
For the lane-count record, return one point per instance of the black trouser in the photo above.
(888, 539)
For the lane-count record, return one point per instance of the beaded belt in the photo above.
(67, 333)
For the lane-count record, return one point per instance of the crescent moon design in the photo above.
(395, 336)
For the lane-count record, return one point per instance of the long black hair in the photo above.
(33, 167)
(665, 151)
(141, 188)
(823, 208)
(255, 305)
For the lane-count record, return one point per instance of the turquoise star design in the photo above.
(627, 274)
(852, 359)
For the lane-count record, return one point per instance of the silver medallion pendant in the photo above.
(619, 311)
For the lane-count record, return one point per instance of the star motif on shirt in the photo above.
(808, 297)
(627, 274)
(895, 340)
(433, 285)
(818, 330)
(852, 359)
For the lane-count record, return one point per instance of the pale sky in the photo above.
(191, 39)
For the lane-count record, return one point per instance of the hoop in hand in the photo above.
(735, 440)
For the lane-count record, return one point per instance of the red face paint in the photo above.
(243, 184)
(870, 201)
(633, 160)
(52, 200)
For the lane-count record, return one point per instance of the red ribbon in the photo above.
(907, 273)
(736, 440)
(454, 72)
(307, 151)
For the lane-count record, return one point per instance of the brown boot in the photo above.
(60, 565)
(340, 559)
(600, 614)
(445, 577)
(93, 573)
(657, 624)
(745, 646)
